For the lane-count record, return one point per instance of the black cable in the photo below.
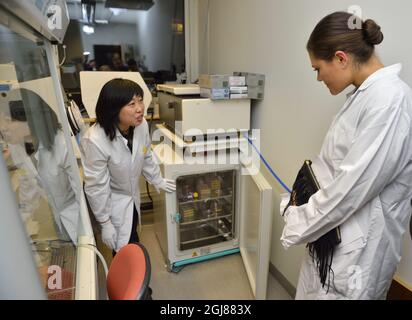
(151, 112)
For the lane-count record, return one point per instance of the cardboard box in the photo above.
(214, 93)
(252, 79)
(213, 81)
(256, 92)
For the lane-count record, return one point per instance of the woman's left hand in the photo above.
(167, 185)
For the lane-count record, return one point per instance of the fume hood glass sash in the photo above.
(28, 70)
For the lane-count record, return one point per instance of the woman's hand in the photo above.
(166, 185)
(109, 234)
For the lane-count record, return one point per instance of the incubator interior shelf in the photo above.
(205, 233)
(205, 220)
(226, 197)
(206, 208)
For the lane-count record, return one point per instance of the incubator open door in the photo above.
(256, 231)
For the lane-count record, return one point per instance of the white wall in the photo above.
(155, 36)
(269, 36)
(110, 34)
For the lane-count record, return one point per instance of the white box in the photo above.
(179, 89)
(181, 114)
(236, 81)
(239, 96)
(252, 79)
(213, 81)
(215, 93)
(238, 89)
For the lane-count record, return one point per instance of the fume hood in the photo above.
(45, 231)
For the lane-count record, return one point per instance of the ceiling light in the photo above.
(88, 29)
(116, 11)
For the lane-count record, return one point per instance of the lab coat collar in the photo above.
(120, 137)
(36, 155)
(394, 69)
(124, 140)
(118, 133)
(348, 95)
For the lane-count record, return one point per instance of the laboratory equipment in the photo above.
(187, 114)
(217, 210)
(31, 237)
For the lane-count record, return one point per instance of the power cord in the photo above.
(268, 165)
(151, 112)
(64, 56)
(98, 253)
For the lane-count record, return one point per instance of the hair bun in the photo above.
(372, 32)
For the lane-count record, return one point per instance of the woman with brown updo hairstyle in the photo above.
(367, 155)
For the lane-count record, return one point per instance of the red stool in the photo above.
(129, 273)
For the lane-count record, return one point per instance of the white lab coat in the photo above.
(368, 152)
(112, 176)
(29, 191)
(57, 178)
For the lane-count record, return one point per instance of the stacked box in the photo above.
(238, 92)
(242, 85)
(242, 89)
(255, 83)
(215, 93)
(215, 81)
(239, 96)
(237, 81)
(252, 79)
(215, 87)
(256, 92)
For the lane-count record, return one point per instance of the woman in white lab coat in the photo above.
(116, 151)
(368, 154)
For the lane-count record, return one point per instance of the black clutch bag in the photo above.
(322, 249)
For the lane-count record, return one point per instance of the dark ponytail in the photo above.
(336, 33)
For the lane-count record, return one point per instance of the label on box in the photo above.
(5, 87)
(237, 81)
(238, 89)
(214, 94)
(252, 79)
(239, 96)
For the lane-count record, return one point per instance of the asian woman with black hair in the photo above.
(116, 151)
